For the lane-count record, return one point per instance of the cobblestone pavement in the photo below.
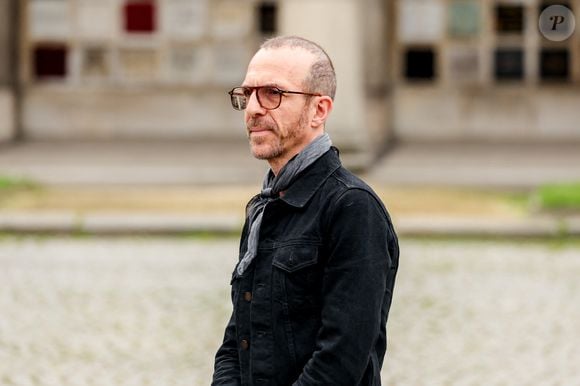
(129, 311)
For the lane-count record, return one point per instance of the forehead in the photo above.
(283, 67)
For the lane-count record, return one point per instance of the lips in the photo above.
(257, 128)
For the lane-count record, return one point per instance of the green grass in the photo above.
(559, 196)
(11, 187)
(8, 183)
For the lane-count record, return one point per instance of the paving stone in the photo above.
(151, 311)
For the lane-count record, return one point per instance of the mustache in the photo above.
(261, 123)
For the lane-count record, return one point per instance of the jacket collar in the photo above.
(304, 187)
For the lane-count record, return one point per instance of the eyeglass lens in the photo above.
(268, 97)
(239, 101)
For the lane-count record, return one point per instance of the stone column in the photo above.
(379, 75)
(7, 73)
(337, 26)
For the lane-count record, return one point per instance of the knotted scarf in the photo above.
(271, 188)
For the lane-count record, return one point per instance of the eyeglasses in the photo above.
(269, 97)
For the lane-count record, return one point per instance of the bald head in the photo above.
(321, 77)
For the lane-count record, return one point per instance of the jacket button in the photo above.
(244, 344)
(248, 296)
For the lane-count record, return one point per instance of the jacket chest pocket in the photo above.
(296, 275)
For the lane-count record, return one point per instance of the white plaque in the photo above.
(95, 63)
(189, 63)
(185, 18)
(230, 63)
(421, 21)
(139, 64)
(233, 19)
(464, 64)
(49, 19)
(97, 19)
(464, 18)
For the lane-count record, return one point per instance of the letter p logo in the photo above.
(557, 23)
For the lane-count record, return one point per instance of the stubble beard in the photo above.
(266, 148)
(279, 145)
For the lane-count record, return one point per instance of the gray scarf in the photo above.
(271, 188)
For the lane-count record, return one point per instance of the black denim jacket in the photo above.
(312, 307)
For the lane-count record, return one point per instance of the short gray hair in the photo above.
(322, 78)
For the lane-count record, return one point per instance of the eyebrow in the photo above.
(265, 85)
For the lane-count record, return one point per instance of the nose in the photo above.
(253, 106)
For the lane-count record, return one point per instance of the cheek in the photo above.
(284, 123)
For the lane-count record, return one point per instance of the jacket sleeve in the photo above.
(355, 290)
(227, 365)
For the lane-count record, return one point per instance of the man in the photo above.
(318, 253)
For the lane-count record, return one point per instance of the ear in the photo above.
(322, 109)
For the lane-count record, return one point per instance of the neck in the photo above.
(276, 164)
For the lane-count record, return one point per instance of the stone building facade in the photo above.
(8, 107)
(408, 70)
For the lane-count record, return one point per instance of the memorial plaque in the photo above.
(232, 19)
(139, 64)
(421, 21)
(509, 64)
(49, 19)
(191, 64)
(140, 16)
(268, 18)
(95, 63)
(185, 18)
(420, 64)
(97, 19)
(509, 19)
(230, 63)
(50, 61)
(549, 3)
(464, 18)
(464, 64)
(555, 64)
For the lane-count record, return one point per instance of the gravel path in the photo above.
(137, 311)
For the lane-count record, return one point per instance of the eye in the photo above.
(272, 91)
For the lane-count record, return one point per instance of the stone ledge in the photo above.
(107, 223)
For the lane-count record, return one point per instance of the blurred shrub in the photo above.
(9, 184)
(560, 196)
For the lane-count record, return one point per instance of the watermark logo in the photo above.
(557, 23)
